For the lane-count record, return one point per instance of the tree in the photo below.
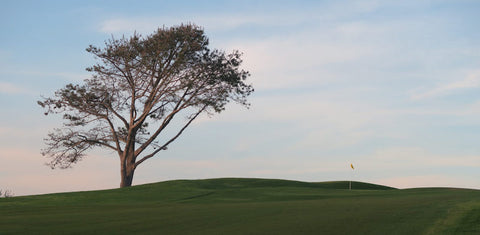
(6, 193)
(138, 86)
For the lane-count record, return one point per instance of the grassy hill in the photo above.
(246, 206)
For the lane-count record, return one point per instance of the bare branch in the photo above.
(178, 107)
(164, 146)
(115, 136)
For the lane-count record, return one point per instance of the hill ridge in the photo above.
(239, 182)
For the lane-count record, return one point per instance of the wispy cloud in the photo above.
(13, 89)
(67, 76)
(279, 15)
(408, 157)
(472, 80)
(217, 22)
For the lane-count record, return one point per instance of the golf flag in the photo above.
(350, 183)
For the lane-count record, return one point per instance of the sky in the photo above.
(392, 87)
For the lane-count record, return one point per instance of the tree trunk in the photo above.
(127, 167)
(126, 174)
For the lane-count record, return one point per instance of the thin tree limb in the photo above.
(163, 147)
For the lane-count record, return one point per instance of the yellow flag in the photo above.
(351, 165)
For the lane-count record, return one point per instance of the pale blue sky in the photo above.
(390, 86)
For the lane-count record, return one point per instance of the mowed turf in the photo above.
(246, 206)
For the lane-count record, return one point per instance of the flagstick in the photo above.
(351, 176)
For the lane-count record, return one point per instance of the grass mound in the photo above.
(355, 185)
(245, 206)
(236, 183)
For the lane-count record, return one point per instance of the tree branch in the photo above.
(115, 136)
(178, 107)
(110, 108)
(163, 147)
(93, 141)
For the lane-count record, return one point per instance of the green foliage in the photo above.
(246, 206)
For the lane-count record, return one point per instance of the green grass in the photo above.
(246, 206)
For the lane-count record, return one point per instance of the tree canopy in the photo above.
(138, 86)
